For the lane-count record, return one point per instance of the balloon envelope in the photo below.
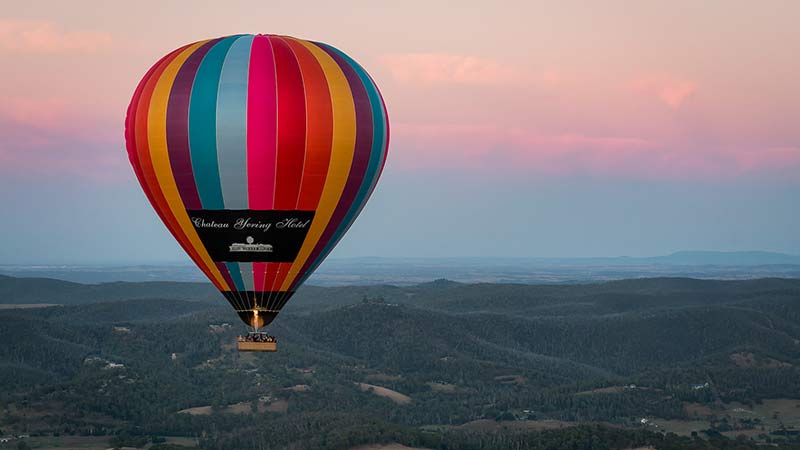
(257, 152)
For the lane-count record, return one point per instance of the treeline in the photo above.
(341, 432)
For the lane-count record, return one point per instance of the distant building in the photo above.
(219, 328)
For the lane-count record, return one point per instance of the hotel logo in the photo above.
(250, 246)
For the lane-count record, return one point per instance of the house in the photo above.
(219, 328)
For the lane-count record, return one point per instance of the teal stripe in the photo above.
(373, 168)
(233, 268)
(246, 271)
(202, 125)
(232, 124)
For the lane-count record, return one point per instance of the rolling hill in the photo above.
(127, 357)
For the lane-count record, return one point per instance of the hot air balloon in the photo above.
(257, 152)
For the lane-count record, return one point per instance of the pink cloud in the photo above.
(442, 68)
(775, 158)
(670, 91)
(489, 147)
(51, 112)
(494, 149)
(40, 36)
(48, 137)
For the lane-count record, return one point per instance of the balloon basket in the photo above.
(258, 346)
(257, 342)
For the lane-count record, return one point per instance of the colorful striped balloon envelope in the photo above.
(257, 152)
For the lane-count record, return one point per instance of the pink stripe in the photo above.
(262, 125)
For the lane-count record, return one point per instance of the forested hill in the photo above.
(15, 290)
(612, 296)
(440, 364)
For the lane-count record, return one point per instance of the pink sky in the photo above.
(633, 90)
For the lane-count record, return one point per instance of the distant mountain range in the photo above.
(690, 258)
(407, 271)
(753, 258)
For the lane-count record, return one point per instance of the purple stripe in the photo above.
(223, 270)
(180, 158)
(361, 154)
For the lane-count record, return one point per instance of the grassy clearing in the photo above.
(27, 305)
(277, 406)
(400, 399)
(680, 427)
(298, 388)
(383, 377)
(605, 390)
(386, 447)
(510, 379)
(65, 442)
(445, 388)
(516, 425)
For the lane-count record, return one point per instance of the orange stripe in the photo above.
(149, 178)
(130, 130)
(159, 154)
(342, 148)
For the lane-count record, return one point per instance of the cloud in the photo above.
(49, 137)
(773, 158)
(518, 151)
(442, 68)
(51, 112)
(40, 36)
(670, 91)
(492, 148)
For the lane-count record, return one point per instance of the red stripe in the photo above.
(259, 276)
(291, 139)
(291, 126)
(271, 275)
(319, 135)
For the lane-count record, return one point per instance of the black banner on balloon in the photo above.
(246, 235)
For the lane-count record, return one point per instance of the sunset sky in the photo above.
(518, 128)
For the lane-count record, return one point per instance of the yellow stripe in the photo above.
(157, 137)
(342, 148)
